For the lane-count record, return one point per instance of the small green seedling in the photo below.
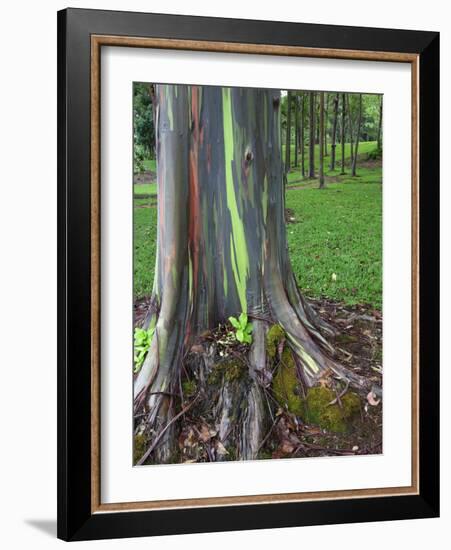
(243, 328)
(143, 339)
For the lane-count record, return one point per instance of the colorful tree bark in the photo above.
(222, 247)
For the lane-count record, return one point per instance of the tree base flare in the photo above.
(241, 402)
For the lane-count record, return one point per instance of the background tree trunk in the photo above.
(334, 132)
(326, 118)
(221, 250)
(357, 138)
(343, 134)
(301, 131)
(312, 116)
(296, 130)
(321, 140)
(288, 135)
(350, 128)
(379, 128)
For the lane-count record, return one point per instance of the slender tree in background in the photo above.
(301, 137)
(334, 132)
(296, 129)
(316, 121)
(343, 133)
(350, 128)
(357, 137)
(321, 140)
(326, 118)
(143, 128)
(312, 116)
(379, 127)
(288, 135)
(221, 251)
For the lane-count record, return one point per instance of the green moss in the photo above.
(139, 447)
(273, 337)
(189, 387)
(264, 454)
(332, 418)
(346, 338)
(286, 386)
(377, 356)
(228, 369)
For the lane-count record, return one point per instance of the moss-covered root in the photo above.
(227, 370)
(274, 337)
(334, 418)
(315, 408)
(140, 444)
(286, 387)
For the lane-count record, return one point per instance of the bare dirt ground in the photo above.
(144, 177)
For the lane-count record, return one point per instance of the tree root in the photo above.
(233, 389)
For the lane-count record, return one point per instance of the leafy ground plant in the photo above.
(143, 339)
(243, 328)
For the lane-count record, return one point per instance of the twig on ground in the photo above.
(163, 431)
(340, 395)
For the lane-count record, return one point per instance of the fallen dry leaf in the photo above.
(372, 399)
(287, 447)
(205, 433)
(220, 449)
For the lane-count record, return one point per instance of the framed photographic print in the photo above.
(248, 274)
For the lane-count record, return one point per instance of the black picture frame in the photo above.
(76, 521)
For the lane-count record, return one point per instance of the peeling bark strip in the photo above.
(221, 245)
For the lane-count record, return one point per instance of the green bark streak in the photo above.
(240, 260)
(309, 363)
(265, 198)
(190, 278)
(169, 109)
(225, 282)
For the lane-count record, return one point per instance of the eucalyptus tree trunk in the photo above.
(288, 135)
(221, 251)
(334, 132)
(343, 133)
(321, 140)
(312, 115)
(357, 138)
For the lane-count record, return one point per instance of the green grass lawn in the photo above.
(145, 189)
(145, 246)
(364, 175)
(335, 243)
(150, 164)
(364, 147)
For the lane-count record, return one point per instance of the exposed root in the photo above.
(233, 382)
(252, 424)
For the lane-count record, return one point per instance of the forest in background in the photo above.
(336, 120)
